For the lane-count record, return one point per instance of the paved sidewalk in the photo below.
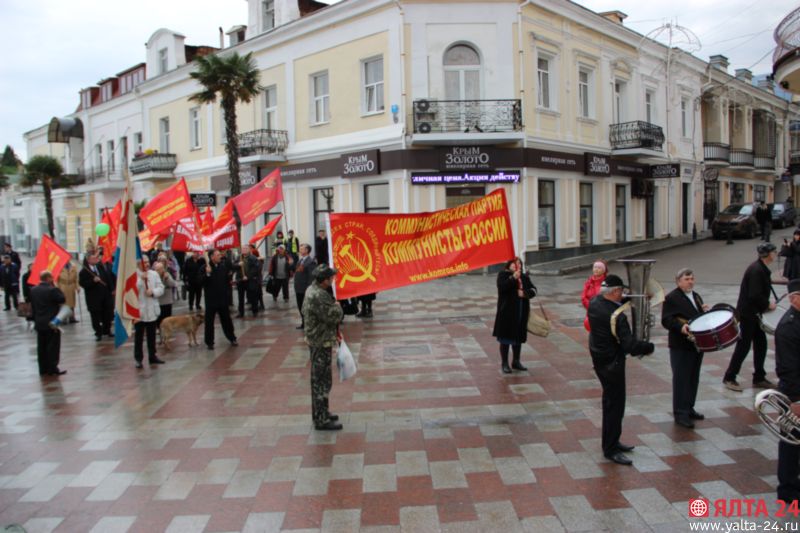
(436, 438)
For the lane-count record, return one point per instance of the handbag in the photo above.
(270, 286)
(24, 310)
(539, 325)
(345, 362)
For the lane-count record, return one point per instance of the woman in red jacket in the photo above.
(592, 286)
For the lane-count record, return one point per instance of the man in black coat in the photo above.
(46, 299)
(302, 278)
(99, 285)
(216, 285)
(610, 340)
(248, 281)
(9, 251)
(787, 366)
(194, 273)
(754, 293)
(9, 279)
(680, 307)
(764, 219)
(321, 248)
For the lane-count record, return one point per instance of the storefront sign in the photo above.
(629, 169)
(596, 164)
(467, 158)
(552, 160)
(366, 163)
(669, 170)
(203, 199)
(247, 177)
(450, 178)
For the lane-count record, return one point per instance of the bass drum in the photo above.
(714, 330)
(769, 320)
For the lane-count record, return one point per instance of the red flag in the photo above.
(376, 252)
(186, 238)
(260, 198)
(109, 242)
(147, 240)
(207, 221)
(266, 231)
(225, 234)
(168, 207)
(50, 257)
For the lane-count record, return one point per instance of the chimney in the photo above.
(614, 16)
(745, 75)
(719, 62)
(221, 38)
(768, 84)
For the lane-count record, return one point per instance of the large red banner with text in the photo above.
(168, 207)
(259, 198)
(376, 252)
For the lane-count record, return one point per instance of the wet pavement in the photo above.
(435, 437)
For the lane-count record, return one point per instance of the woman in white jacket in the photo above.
(150, 289)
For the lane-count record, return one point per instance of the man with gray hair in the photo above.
(46, 300)
(681, 305)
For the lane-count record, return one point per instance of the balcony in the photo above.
(786, 58)
(464, 122)
(263, 145)
(794, 162)
(717, 154)
(764, 163)
(636, 138)
(741, 158)
(100, 178)
(153, 166)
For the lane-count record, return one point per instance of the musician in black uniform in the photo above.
(787, 366)
(681, 306)
(609, 340)
(754, 293)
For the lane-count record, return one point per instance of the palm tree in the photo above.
(235, 79)
(44, 170)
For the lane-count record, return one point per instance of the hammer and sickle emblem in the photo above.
(356, 259)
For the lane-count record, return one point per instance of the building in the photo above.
(397, 106)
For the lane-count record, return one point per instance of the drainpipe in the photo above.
(521, 59)
(402, 103)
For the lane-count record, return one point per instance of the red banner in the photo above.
(266, 231)
(260, 198)
(147, 240)
(376, 252)
(50, 257)
(207, 221)
(168, 207)
(186, 238)
(225, 234)
(109, 242)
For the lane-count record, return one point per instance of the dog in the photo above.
(185, 323)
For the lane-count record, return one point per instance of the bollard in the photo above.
(694, 231)
(730, 236)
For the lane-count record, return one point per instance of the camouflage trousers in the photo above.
(321, 382)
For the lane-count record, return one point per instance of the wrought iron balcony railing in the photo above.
(263, 142)
(96, 174)
(635, 134)
(794, 157)
(764, 162)
(717, 152)
(153, 163)
(741, 158)
(467, 116)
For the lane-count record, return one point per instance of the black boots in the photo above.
(515, 364)
(504, 359)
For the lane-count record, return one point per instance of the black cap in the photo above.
(323, 272)
(765, 248)
(793, 285)
(612, 280)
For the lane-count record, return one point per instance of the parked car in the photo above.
(783, 214)
(737, 218)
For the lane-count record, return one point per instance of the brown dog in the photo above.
(185, 323)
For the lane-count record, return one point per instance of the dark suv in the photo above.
(783, 214)
(737, 218)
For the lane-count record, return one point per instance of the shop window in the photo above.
(759, 193)
(323, 204)
(547, 213)
(376, 198)
(586, 210)
(620, 204)
(737, 193)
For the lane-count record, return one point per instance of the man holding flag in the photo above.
(125, 261)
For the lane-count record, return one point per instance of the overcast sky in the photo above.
(53, 48)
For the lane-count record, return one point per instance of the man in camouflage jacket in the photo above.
(322, 316)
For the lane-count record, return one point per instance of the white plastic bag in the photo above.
(345, 362)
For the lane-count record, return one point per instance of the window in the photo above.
(684, 117)
(163, 63)
(271, 108)
(163, 135)
(586, 213)
(137, 142)
(462, 74)
(620, 212)
(323, 204)
(376, 198)
(321, 99)
(585, 84)
(649, 106)
(98, 157)
(620, 88)
(547, 214)
(759, 193)
(373, 85)
(123, 153)
(268, 15)
(543, 79)
(737, 193)
(106, 92)
(86, 99)
(111, 162)
(194, 128)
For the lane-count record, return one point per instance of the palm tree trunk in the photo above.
(232, 149)
(48, 205)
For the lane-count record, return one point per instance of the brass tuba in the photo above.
(775, 410)
(645, 293)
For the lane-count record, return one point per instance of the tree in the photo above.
(43, 170)
(3, 181)
(9, 158)
(234, 78)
